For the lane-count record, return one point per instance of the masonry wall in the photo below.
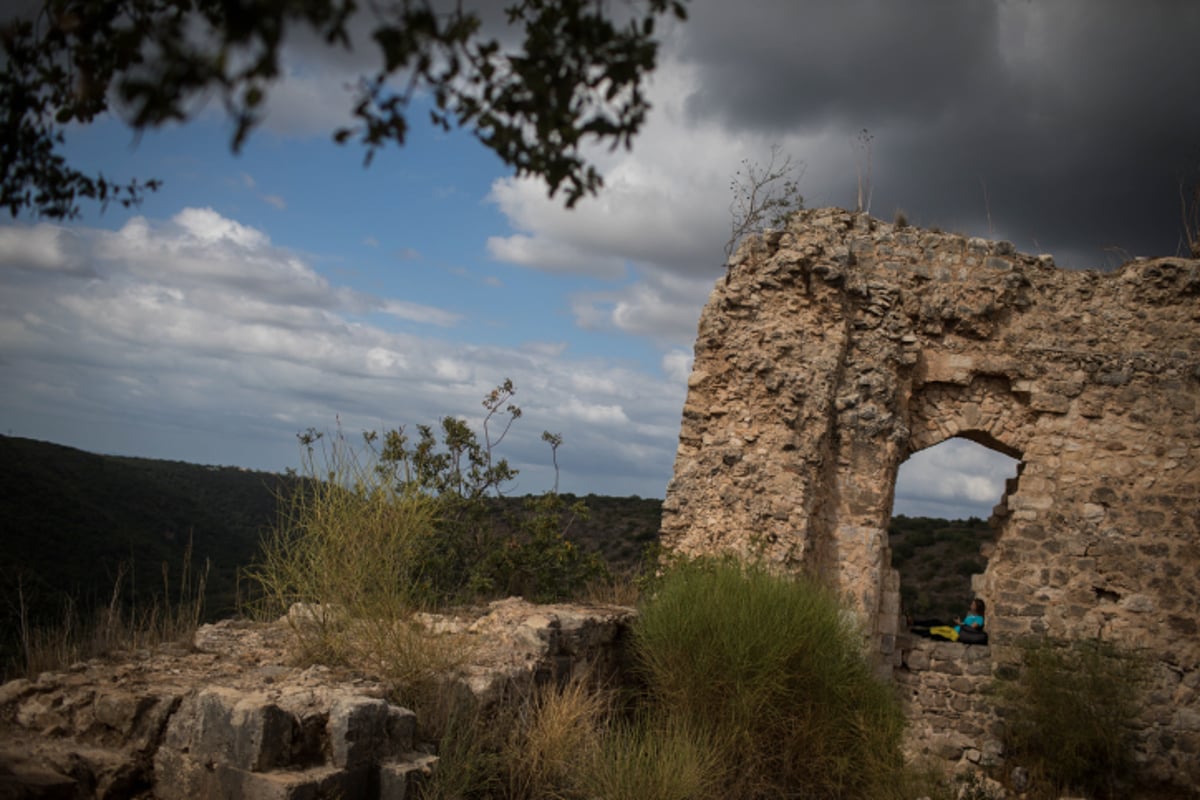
(841, 345)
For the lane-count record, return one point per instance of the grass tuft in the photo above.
(171, 616)
(342, 564)
(770, 667)
(649, 759)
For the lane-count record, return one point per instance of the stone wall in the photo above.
(951, 713)
(838, 347)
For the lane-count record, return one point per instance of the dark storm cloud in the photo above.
(1070, 122)
(780, 65)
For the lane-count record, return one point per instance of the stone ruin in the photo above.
(838, 347)
(833, 351)
(230, 715)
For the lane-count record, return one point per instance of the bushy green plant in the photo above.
(653, 758)
(474, 552)
(771, 667)
(367, 534)
(344, 562)
(1068, 714)
(536, 560)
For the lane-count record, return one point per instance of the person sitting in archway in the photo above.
(968, 630)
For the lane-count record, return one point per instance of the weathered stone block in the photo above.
(318, 783)
(397, 779)
(218, 725)
(358, 731)
(917, 660)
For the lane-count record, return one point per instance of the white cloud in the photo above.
(198, 334)
(547, 349)
(415, 312)
(207, 227)
(553, 256)
(595, 413)
(41, 247)
(661, 306)
(956, 478)
(677, 366)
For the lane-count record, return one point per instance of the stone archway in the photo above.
(839, 346)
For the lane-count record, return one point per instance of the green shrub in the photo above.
(1068, 715)
(369, 534)
(770, 667)
(652, 759)
(536, 560)
(475, 551)
(344, 559)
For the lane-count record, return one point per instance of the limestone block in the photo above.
(963, 685)
(917, 660)
(14, 691)
(104, 774)
(1187, 719)
(358, 731)
(315, 783)
(246, 731)
(35, 782)
(398, 778)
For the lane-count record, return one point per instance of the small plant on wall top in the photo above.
(763, 197)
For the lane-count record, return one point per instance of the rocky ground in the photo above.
(232, 715)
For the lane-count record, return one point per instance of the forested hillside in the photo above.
(71, 520)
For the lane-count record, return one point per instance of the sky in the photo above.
(286, 287)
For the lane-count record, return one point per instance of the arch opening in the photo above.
(946, 514)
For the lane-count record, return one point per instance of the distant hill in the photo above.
(72, 518)
(936, 559)
(69, 519)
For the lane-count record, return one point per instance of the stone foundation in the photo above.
(229, 717)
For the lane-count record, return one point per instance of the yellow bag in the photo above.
(944, 632)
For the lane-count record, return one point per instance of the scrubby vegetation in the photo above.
(936, 559)
(88, 537)
(1069, 713)
(168, 616)
(751, 685)
(770, 669)
(409, 521)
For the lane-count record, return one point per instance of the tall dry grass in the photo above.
(124, 624)
(344, 564)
